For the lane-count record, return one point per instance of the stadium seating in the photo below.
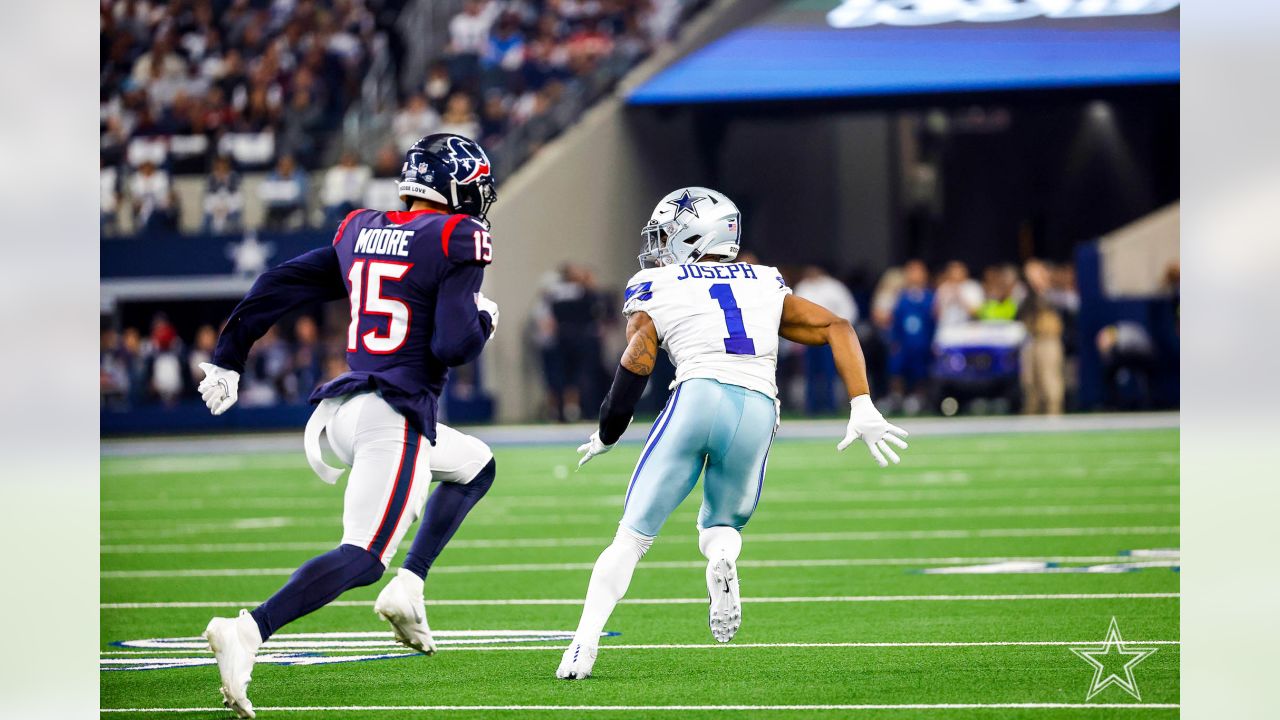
(186, 82)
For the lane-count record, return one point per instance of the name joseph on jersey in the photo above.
(383, 241)
(717, 272)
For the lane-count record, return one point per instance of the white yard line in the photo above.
(1007, 463)
(155, 529)
(652, 565)
(614, 500)
(675, 601)
(846, 536)
(668, 708)
(573, 434)
(390, 644)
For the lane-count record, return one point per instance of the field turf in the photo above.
(839, 618)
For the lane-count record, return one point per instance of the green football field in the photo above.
(952, 586)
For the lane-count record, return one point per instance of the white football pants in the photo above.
(392, 468)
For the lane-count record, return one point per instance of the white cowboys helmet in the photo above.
(689, 224)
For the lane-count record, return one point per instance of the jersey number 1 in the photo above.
(367, 299)
(737, 343)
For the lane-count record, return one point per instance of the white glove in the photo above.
(592, 448)
(219, 388)
(486, 305)
(866, 422)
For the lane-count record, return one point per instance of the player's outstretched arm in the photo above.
(314, 276)
(629, 382)
(808, 323)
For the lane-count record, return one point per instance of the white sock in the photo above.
(247, 628)
(609, 581)
(410, 580)
(720, 541)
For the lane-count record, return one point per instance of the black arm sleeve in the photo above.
(314, 276)
(620, 404)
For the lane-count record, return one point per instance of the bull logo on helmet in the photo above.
(466, 161)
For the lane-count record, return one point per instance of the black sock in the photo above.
(316, 584)
(446, 508)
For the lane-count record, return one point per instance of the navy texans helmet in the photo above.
(451, 170)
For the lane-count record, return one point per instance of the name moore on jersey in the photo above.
(715, 320)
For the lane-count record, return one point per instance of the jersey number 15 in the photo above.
(367, 299)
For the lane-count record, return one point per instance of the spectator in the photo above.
(1000, 286)
(877, 342)
(264, 381)
(284, 192)
(469, 39)
(912, 338)
(542, 334)
(382, 192)
(154, 201)
(885, 297)
(958, 297)
(113, 371)
(131, 354)
(505, 51)
(201, 352)
(577, 310)
(414, 121)
(1062, 293)
(344, 187)
(1041, 363)
(469, 29)
(493, 119)
(438, 86)
(163, 354)
(1128, 359)
(223, 202)
(109, 199)
(459, 118)
(308, 357)
(300, 125)
(820, 367)
(1064, 298)
(161, 63)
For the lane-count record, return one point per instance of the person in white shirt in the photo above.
(469, 29)
(959, 297)
(153, 198)
(344, 186)
(416, 119)
(817, 286)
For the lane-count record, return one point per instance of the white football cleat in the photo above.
(725, 615)
(577, 662)
(403, 607)
(234, 642)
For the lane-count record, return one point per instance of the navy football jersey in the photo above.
(411, 279)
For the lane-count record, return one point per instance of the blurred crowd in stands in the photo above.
(161, 368)
(223, 88)
(573, 336)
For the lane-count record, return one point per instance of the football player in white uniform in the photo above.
(719, 322)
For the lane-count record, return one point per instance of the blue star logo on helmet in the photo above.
(686, 203)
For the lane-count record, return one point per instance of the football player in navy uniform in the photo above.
(413, 280)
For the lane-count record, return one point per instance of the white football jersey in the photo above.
(715, 320)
